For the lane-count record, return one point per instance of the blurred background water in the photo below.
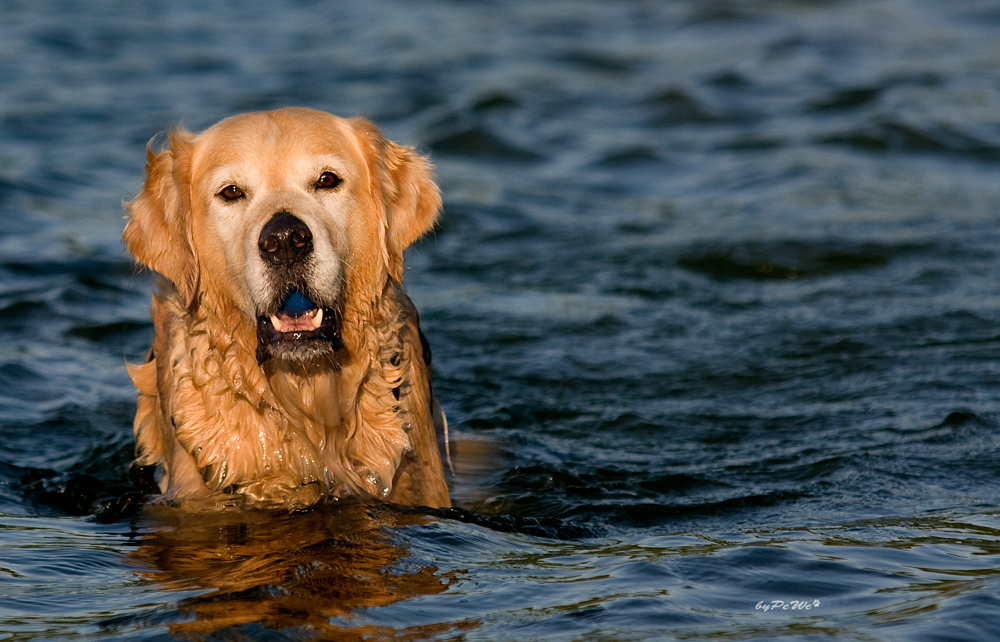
(713, 305)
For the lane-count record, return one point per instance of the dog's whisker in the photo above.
(350, 267)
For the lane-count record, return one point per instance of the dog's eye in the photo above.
(328, 180)
(231, 193)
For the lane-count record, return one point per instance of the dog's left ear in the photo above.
(405, 180)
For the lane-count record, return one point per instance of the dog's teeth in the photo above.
(276, 322)
(318, 317)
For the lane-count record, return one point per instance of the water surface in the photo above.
(713, 305)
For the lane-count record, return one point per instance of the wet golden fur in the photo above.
(224, 429)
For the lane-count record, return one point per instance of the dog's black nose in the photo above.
(285, 240)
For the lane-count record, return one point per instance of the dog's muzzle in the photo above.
(297, 328)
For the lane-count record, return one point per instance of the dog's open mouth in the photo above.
(297, 330)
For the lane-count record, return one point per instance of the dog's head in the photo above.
(286, 216)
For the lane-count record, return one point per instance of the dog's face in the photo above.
(282, 207)
(285, 216)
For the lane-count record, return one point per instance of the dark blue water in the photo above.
(714, 307)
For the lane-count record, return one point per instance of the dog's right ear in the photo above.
(158, 232)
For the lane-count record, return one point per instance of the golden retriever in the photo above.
(287, 365)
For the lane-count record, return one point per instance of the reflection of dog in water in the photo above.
(288, 364)
(284, 570)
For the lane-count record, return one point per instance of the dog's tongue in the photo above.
(297, 314)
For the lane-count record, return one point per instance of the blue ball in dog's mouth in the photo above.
(297, 304)
(300, 329)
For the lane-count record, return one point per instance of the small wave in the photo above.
(629, 157)
(786, 259)
(649, 514)
(600, 61)
(25, 383)
(494, 101)
(477, 141)
(50, 492)
(891, 135)
(846, 99)
(676, 106)
(110, 332)
(546, 527)
(73, 476)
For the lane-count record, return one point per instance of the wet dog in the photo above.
(288, 365)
